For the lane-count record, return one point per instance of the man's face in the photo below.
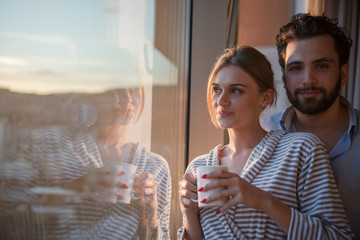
(312, 75)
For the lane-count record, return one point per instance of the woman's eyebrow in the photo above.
(232, 85)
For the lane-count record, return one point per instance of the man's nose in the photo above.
(309, 77)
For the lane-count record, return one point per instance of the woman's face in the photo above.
(127, 103)
(118, 107)
(236, 100)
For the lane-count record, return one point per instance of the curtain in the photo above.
(348, 14)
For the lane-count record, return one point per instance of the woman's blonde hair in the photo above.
(252, 62)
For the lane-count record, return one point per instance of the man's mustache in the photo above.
(308, 89)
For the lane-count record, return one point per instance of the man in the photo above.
(313, 54)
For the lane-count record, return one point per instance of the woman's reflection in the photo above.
(76, 186)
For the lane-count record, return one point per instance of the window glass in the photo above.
(87, 89)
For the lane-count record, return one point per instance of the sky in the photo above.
(52, 46)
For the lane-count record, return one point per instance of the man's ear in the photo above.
(283, 80)
(344, 71)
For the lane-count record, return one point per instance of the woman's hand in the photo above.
(188, 192)
(145, 194)
(188, 201)
(239, 191)
(104, 183)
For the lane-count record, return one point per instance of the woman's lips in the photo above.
(224, 113)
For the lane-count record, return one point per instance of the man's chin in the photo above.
(310, 108)
(309, 111)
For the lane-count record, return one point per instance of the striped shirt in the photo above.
(48, 157)
(344, 158)
(294, 167)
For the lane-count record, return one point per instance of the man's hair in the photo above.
(303, 26)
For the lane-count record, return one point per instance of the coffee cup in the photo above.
(122, 180)
(202, 181)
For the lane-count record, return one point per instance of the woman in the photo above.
(148, 214)
(279, 185)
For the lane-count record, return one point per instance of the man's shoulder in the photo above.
(275, 116)
(357, 112)
(272, 121)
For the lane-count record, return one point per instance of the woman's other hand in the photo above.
(145, 194)
(188, 192)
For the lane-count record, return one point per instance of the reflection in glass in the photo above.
(69, 95)
(59, 176)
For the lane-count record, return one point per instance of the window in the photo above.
(84, 84)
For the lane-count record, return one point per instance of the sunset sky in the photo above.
(49, 46)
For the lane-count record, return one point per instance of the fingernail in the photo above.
(203, 201)
(217, 211)
(204, 176)
(124, 185)
(120, 197)
(122, 173)
(200, 189)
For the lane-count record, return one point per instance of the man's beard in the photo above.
(310, 105)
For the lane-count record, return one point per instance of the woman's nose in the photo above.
(223, 99)
(129, 96)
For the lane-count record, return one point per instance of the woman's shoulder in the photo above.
(158, 161)
(145, 159)
(156, 157)
(208, 159)
(302, 136)
(303, 140)
(199, 160)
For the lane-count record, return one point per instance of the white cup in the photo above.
(121, 173)
(202, 181)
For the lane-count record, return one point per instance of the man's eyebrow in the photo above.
(321, 60)
(293, 63)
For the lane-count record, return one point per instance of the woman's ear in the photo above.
(268, 97)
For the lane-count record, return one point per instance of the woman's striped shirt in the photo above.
(294, 168)
(48, 157)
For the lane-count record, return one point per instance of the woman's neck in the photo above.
(241, 145)
(116, 136)
(243, 140)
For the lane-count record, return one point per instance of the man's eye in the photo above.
(294, 68)
(322, 66)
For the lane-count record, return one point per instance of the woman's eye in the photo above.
(237, 90)
(216, 90)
